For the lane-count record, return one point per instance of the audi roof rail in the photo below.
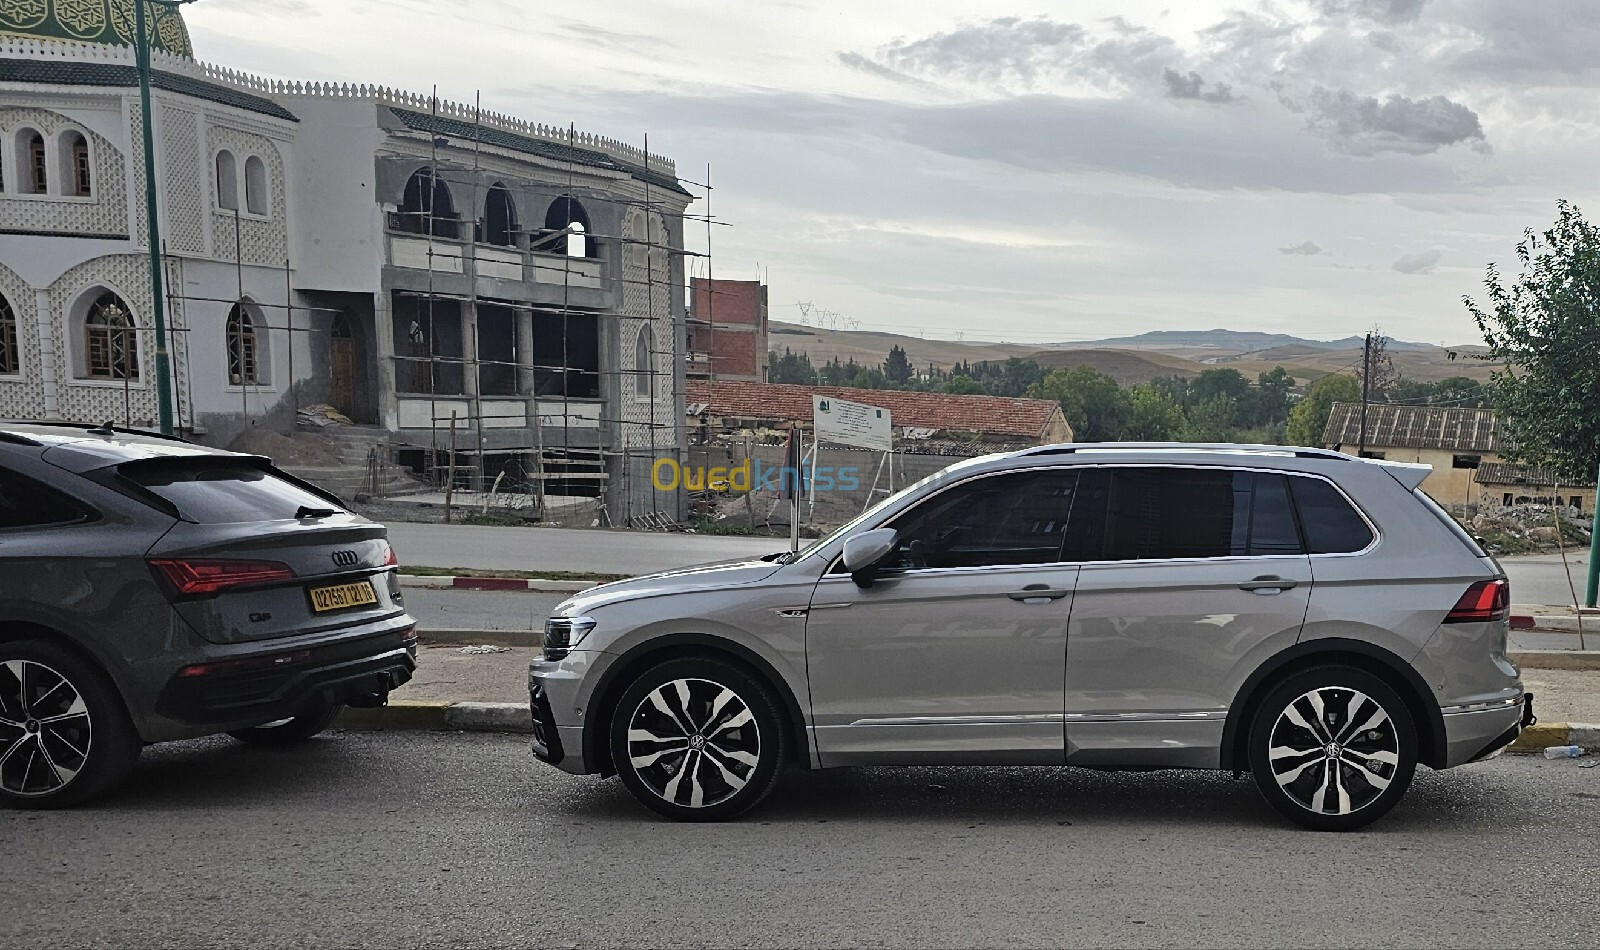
(1230, 447)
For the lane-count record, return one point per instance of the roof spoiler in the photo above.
(1409, 474)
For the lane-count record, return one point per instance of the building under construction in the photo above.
(497, 303)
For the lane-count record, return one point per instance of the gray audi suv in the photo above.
(151, 589)
(1308, 617)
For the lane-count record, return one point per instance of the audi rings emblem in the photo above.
(346, 558)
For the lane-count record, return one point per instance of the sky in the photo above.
(1037, 172)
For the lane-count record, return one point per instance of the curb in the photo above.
(1557, 623)
(496, 583)
(1537, 738)
(1555, 659)
(439, 716)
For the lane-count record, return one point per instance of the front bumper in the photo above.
(266, 685)
(558, 696)
(1473, 734)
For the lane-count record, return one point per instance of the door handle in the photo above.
(1269, 582)
(1038, 593)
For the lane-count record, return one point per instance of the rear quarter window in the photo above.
(25, 503)
(223, 491)
(1329, 523)
(1450, 523)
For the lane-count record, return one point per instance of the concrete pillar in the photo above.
(49, 360)
(383, 339)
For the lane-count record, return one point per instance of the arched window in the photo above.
(34, 178)
(426, 207)
(76, 176)
(111, 344)
(255, 185)
(227, 181)
(499, 217)
(245, 363)
(644, 365)
(10, 362)
(568, 230)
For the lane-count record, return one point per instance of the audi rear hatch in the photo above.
(257, 554)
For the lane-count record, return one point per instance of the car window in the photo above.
(25, 503)
(1139, 513)
(1331, 526)
(1013, 518)
(222, 491)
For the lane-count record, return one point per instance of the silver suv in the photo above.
(1303, 615)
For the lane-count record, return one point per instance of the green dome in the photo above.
(95, 21)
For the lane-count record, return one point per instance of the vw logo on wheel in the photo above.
(346, 558)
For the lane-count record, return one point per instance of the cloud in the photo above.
(1422, 263)
(1307, 248)
(874, 68)
(1192, 86)
(1038, 52)
(1365, 125)
(1384, 11)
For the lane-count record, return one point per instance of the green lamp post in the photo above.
(163, 360)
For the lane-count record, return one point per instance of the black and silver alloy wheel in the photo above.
(45, 729)
(697, 739)
(1333, 748)
(65, 735)
(694, 742)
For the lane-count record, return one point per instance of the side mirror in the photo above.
(863, 553)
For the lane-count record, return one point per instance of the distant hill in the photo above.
(1240, 341)
(1137, 359)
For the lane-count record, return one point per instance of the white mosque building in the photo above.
(400, 258)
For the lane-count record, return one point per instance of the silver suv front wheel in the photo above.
(1333, 748)
(697, 739)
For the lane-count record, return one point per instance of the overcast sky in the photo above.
(1038, 171)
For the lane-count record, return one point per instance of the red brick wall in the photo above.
(728, 321)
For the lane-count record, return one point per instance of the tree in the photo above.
(1095, 406)
(1380, 367)
(960, 385)
(897, 368)
(1153, 416)
(869, 379)
(1218, 382)
(1270, 401)
(1545, 327)
(1309, 417)
(1211, 419)
(790, 368)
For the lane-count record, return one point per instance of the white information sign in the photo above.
(852, 423)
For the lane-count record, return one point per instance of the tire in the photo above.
(65, 735)
(1333, 748)
(664, 753)
(290, 731)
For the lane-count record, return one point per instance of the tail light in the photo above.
(188, 577)
(389, 560)
(1483, 601)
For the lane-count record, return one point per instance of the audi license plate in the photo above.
(342, 596)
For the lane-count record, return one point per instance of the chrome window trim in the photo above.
(1372, 528)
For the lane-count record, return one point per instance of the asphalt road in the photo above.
(1541, 578)
(567, 549)
(415, 839)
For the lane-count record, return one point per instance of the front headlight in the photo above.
(561, 634)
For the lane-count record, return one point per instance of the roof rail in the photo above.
(1240, 448)
(102, 429)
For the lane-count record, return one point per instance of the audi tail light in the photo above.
(1483, 601)
(190, 577)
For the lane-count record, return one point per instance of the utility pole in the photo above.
(153, 233)
(1366, 393)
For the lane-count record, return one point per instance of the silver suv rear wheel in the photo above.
(697, 740)
(1333, 748)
